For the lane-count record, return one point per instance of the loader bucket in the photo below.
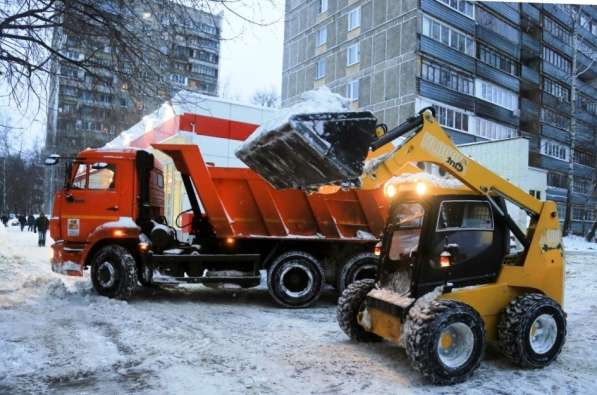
(312, 150)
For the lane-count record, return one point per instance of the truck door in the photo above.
(92, 200)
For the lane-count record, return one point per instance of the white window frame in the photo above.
(321, 37)
(320, 69)
(553, 148)
(354, 19)
(323, 6)
(355, 50)
(352, 90)
(499, 96)
(176, 78)
(447, 3)
(492, 130)
(427, 31)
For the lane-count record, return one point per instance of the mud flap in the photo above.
(312, 150)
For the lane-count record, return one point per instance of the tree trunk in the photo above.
(568, 216)
(591, 234)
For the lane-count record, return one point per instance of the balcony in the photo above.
(504, 10)
(555, 42)
(555, 102)
(529, 75)
(529, 111)
(499, 77)
(445, 95)
(555, 72)
(498, 113)
(498, 41)
(448, 15)
(530, 15)
(530, 47)
(447, 54)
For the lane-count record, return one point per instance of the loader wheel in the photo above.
(295, 279)
(114, 272)
(350, 305)
(445, 341)
(359, 267)
(532, 330)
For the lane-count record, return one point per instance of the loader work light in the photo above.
(390, 190)
(421, 188)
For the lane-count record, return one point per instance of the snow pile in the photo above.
(315, 101)
(578, 244)
(437, 181)
(364, 235)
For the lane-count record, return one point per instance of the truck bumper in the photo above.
(66, 260)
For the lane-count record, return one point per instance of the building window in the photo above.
(354, 19)
(352, 54)
(449, 36)
(322, 37)
(556, 89)
(446, 77)
(588, 104)
(557, 180)
(555, 149)
(320, 69)
(553, 118)
(464, 7)
(323, 6)
(178, 79)
(494, 58)
(536, 194)
(554, 58)
(582, 184)
(203, 70)
(452, 118)
(496, 95)
(493, 130)
(556, 29)
(580, 213)
(497, 25)
(584, 158)
(352, 90)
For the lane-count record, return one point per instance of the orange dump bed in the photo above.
(239, 203)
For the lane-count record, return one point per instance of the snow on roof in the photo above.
(187, 102)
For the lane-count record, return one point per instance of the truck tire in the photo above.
(114, 272)
(295, 279)
(532, 330)
(359, 267)
(445, 343)
(349, 306)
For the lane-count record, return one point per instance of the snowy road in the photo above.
(57, 336)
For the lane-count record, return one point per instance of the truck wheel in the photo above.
(114, 272)
(295, 279)
(445, 343)
(532, 330)
(349, 307)
(359, 267)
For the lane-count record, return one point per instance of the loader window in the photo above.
(464, 215)
(405, 238)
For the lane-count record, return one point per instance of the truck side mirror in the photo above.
(52, 160)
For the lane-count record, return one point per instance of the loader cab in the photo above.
(437, 239)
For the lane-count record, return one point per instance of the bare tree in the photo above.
(266, 98)
(120, 35)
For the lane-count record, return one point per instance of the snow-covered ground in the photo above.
(57, 336)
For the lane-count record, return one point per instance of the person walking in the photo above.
(31, 223)
(41, 224)
(22, 221)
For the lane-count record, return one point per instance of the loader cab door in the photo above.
(93, 198)
(401, 246)
(475, 239)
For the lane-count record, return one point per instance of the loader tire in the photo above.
(532, 330)
(359, 267)
(445, 341)
(349, 307)
(114, 272)
(295, 279)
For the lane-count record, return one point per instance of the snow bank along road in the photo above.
(57, 336)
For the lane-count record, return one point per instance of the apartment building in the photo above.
(491, 70)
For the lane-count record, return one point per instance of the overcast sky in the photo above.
(250, 60)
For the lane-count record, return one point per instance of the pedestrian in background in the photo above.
(22, 221)
(5, 220)
(41, 224)
(31, 223)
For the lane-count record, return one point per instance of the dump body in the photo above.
(241, 204)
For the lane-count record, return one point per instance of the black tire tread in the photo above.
(347, 268)
(279, 261)
(420, 339)
(510, 326)
(348, 307)
(129, 265)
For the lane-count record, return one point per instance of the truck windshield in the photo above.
(405, 238)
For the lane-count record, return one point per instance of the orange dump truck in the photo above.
(109, 219)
